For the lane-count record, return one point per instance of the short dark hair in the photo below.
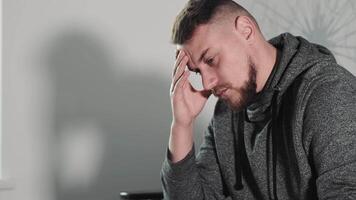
(198, 12)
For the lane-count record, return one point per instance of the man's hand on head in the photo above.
(186, 101)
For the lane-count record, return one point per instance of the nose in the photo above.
(209, 80)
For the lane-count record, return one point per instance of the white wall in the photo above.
(86, 101)
(85, 92)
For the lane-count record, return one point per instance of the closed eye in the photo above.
(209, 61)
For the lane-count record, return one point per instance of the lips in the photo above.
(220, 92)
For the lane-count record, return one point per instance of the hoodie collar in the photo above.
(287, 45)
(256, 111)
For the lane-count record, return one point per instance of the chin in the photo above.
(236, 106)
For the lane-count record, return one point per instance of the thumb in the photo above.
(203, 93)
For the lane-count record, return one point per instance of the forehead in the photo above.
(203, 37)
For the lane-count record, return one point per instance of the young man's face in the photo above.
(221, 57)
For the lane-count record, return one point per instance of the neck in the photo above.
(264, 58)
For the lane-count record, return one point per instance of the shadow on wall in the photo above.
(111, 126)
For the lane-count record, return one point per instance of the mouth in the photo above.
(221, 92)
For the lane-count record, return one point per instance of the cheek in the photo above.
(234, 74)
(233, 66)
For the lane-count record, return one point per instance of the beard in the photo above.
(241, 97)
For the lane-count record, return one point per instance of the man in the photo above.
(284, 126)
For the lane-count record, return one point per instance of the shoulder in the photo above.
(328, 91)
(328, 74)
(325, 84)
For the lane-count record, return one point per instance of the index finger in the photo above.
(180, 57)
(177, 53)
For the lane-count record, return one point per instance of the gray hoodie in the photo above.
(297, 140)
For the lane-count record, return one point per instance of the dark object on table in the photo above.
(141, 195)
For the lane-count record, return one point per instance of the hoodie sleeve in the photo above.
(331, 121)
(194, 177)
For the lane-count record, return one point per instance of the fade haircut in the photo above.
(199, 12)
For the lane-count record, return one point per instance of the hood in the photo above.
(296, 55)
(299, 55)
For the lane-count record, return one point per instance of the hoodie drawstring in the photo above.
(239, 148)
(272, 131)
(239, 144)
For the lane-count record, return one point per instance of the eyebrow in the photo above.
(200, 59)
(203, 55)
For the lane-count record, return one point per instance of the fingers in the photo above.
(177, 53)
(181, 81)
(204, 93)
(179, 69)
(179, 58)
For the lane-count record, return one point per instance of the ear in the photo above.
(245, 27)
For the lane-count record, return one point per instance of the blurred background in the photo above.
(85, 88)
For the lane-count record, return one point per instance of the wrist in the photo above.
(182, 126)
(180, 141)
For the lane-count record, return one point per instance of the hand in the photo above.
(186, 101)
